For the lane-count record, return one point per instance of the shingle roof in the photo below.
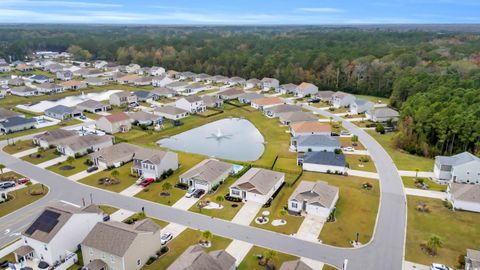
(290, 87)
(60, 109)
(22, 89)
(295, 265)
(324, 158)
(268, 101)
(4, 113)
(297, 116)
(319, 193)
(317, 140)
(251, 96)
(122, 94)
(193, 98)
(163, 91)
(56, 134)
(473, 255)
(195, 258)
(231, 92)
(310, 127)
(77, 143)
(117, 117)
(92, 104)
(143, 116)
(258, 180)
(170, 110)
(465, 192)
(283, 108)
(121, 151)
(384, 112)
(457, 159)
(17, 121)
(208, 170)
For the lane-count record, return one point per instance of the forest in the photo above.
(433, 76)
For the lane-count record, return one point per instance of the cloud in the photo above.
(320, 9)
(53, 3)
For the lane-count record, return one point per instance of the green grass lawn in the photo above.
(78, 164)
(107, 209)
(409, 182)
(251, 262)
(187, 161)
(10, 176)
(19, 146)
(362, 124)
(140, 216)
(377, 100)
(328, 267)
(45, 156)
(458, 230)
(403, 160)
(287, 164)
(355, 164)
(124, 177)
(356, 209)
(21, 198)
(278, 204)
(347, 141)
(180, 243)
(227, 212)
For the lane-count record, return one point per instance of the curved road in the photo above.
(385, 251)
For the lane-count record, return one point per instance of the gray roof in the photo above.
(231, 92)
(258, 180)
(325, 94)
(465, 192)
(177, 84)
(61, 109)
(208, 170)
(297, 116)
(97, 265)
(362, 102)
(195, 258)
(284, 108)
(116, 152)
(193, 98)
(317, 140)
(122, 94)
(318, 193)
(116, 237)
(23, 89)
(163, 91)
(170, 110)
(17, 121)
(383, 112)
(251, 96)
(290, 87)
(77, 143)
(324, 158)
(457, 159)
(143, 116)
(142, 94)
(295, 265)
(254, 81)
(95, 80)
(92, 104)
(4, 113)
(56, 134)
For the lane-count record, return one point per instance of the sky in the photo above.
(245, 12)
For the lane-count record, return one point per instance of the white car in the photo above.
(345, 133)
(348, 149)
(139, 181)
(166, 237)
(437, 266)
(190, 192)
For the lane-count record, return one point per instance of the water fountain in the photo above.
(219, 135)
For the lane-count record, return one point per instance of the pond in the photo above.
(233, 139)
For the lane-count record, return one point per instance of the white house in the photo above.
(252, 83)
(24, 91)
(257, 185)
(264, 103)
(152, 163)
(306, 89)
(382, 114)
(464, 196)
(161, 81)
(207, 174)
(341, 99)
(325, 162)
(313, 198)
(193, 104)
(171, 112)
(269, 83)
(359, 106)
(460, 168)
(56, 233)
(81, 145)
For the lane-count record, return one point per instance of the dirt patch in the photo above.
(66, 168)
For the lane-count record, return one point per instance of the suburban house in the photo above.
(187, 75)
(202, 77)
(156, 71)
(257, 185)
(207, 174)
(194, 88)
(120, 246)
(96, 81)
(23, 67)
(81, 145)
(295, 265)
(269, 83)
(230, 94)
(114, 156)
(114, 123)
(192, 104)
(178, 86)
(92, 106)
(325, 162)
(294, 117)
(4, 80)
(73, 85)
(142, 81)
(217, 79)
(460, 168)
(341, 99)
(212, 101)
(313, 143)
(122, 98)
(49, 88)
(275, 111)
(16, 123)
(53, 137)
(5, 68)
(40, 79)
(382, 114)
(24, 91)
(171, 112)
(305, 89)
(313, 198)
(253, 83)
(64, 75)
(143, 95)
(144, 118)
(5, 114)
(236, 81)
(359, 106)
(152, 163)
(128, 79)
(464, 196)
(62, 112)
(16, 82)
(196, 258)
(310, 128)
(158, 93)
(472, 260)
(55, 234)
(248, 97)
(264, 103)
(288, 88)
(161, 81)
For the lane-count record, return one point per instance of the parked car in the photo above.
(190, 192)
(7, 184)
(147, 182)
(22, 181)
(198, 193)
(345, 133)
(166, 237)
(348, 149)
(43, 265)
(83, 117)
(334, 134)
(437, 266)
(314, 100)
(92, 169)
(106, 218)
(139, 181)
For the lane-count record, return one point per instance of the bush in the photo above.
(151, 260)
(364, 159)
(232, 199)
(380, 129)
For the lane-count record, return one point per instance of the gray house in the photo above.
(62, 112)
(275, 111)
(93, 106)
(382, 114)
(360, 106)
(207, 174)
(460, 168)
(196, 258)
(295, 117)
(16, 123)
(248, 97)
(314, 143)
(306, 89)
(324, 162)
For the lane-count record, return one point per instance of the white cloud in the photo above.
(54, 3)
(320, 9)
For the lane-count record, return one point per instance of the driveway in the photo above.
(121, 214)
(52, 162)
(26, 152)
(82, 174)
(131, 190)
(185, 203)
(310, 228)
(247, 213)
(414, 173)
(363, 174)
(238, 249)
(426, 193)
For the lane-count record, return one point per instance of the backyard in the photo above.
(22, 197)
(70, 167)
(251, 261)
(124, 178)
(19, 146)
(41, 156)
(458, 231)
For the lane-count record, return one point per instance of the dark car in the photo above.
(4, 264)
(43, 265)
(181, 186)
(92, 169)
(106, 218)
(198, 193)
(7, 184)
(334, 134)
(314, 100)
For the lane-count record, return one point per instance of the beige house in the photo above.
(120, 246)
(53, 137)
(114, 156)
(81, 145)
(114, 123)
(195, 258)
(257, 185)
(122, 98)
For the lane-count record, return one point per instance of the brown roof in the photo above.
(23, 250)
(56, 134)
(208, 170)
(97, 265)
(170, 110)
(295, 265)
(310, 127)
(318, 193)
(117, 117)
(143, 116)
(465, 192)
(117, 152)
(83, 142)
(71, 83)
(4, 113)
(268, 101)
(258, 180)
(129, 77)
(231, 92)
(195, 258)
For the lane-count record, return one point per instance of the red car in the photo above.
(22, 181)
(147, 182)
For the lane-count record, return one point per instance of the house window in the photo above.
(294, 205)
(235, 192)
(138, 262)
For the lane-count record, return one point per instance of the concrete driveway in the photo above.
(185, 203)
(310, 228)
(82, 174)
(121, 215)
(131, 190)
(26, 152)
(52, 162)
(247, 213)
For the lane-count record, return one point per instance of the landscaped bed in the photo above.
(22, 197)
(70, 167)
(41, 156)
(115, 183)
(458, 230)
(410, 182)
(251, 261)
(19, 146)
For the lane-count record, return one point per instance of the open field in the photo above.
(458, 230)
(22, 197)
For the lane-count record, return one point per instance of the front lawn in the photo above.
(68, 168)
(251, 261)
(142, 216)
(42, 156)
(22, 197)
(356, 209)
(409, 182)
(124, 177)
(180, 243)
(376, 100)
(402, 159)
(19, 146)
(287, 164)
(347, 141)
(355, 163)
(107, 209)
(458, 230)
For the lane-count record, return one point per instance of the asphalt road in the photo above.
(385, 251)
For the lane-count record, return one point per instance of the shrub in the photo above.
(232, 199)
(151, 260)
(380, 129)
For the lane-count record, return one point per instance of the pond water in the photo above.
(233, 139)
(67, 101)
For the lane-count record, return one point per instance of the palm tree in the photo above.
(207, 236)
(434, 243)
(219, 199)
(2, 166)
(283, 213)
(166, 186)
(114, 174)
(270, 256)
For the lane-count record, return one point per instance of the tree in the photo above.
(434, 243)
(166, 186)
(270, 257)
(354, 138)
(79, 53)
(380, 129)
(114, 174)
(207, 236)
(219, 199)
(70, 160)
(283, 213)
(2, 166)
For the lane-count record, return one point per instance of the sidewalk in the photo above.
(121, 215)
(51, 162)
(426, 193)
(82, 175)
(26, 152)
(310, 228)
(131, 190)
(414, 173)
(185, 203)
